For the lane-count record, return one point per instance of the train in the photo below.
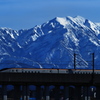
(41, 70)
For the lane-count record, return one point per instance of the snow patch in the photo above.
(79, 19)
(49, 31)
(94, 42)
(19, 45)
(62, 21)
(10, 34)
(52, 25)
(34, 37)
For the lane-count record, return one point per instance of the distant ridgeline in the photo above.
(59, 43)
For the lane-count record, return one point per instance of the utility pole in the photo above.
(74, 61)
(92, 68)
(93, 62)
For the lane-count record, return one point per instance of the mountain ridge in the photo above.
(52, 44)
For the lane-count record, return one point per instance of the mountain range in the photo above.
(63, 42)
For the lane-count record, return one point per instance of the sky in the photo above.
(25, 14)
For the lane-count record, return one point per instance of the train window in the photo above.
(25, 71)
(12, 70)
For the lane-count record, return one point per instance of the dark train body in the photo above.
(35, 70)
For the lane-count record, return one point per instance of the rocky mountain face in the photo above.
(58, 43)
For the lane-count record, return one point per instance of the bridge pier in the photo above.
(57, 91)
(77, 95)
(4, 88)
(25, 92)
(98, 93)
(66, 93)
(17, 92)
(85, 93)
(47, 95)
(38, 92)
(71, 92)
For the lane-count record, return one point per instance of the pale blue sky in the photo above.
(24, 14)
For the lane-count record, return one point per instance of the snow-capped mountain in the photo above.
(52, 45)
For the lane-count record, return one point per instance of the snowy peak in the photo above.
(77, 19)
(52, 44)
(62, 21)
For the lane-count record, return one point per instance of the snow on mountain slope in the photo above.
(52, 44)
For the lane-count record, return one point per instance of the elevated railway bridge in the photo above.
(77, 84)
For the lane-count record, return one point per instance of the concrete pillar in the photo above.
(47, 95)
(24, 92)
(4, 88)
(38, 92)
(27, 92)
(57, 92)
(66, 93)
(17, 92)
(98, 93)
(86, 91)
(92, 93)
(52, 93)
(71, 92)
(77, 95)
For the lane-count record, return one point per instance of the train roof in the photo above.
(42, 70)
